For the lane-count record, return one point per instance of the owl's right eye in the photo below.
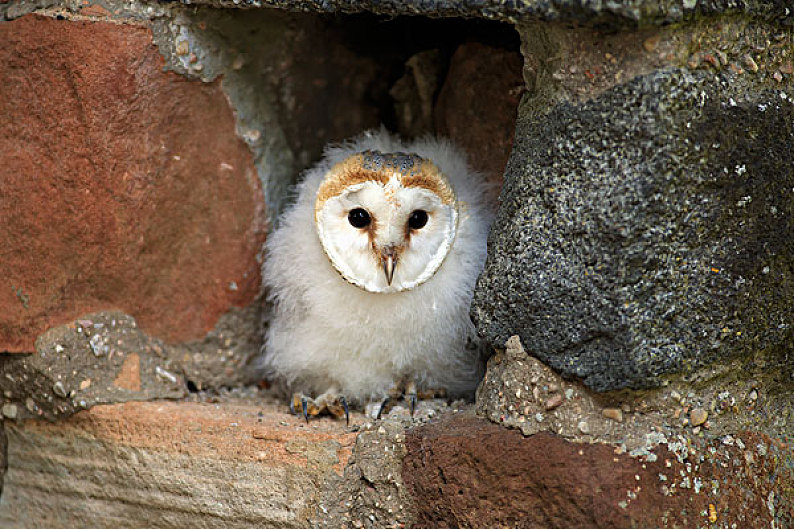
(358, 218)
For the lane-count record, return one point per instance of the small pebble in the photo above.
(10, 411)
(750, 63)
(615, 414)
(711, 59)
(60, 390)
(182, 47)
(698, 416)
(554, 401)
(675, 395)
(165, 374)
(651, 43)
(583, 427)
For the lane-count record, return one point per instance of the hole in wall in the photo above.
(450, 77)
(300, 81)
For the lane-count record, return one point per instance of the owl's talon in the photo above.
(410, 393)
(305, 408)
(329, 402)
(343, 400)
(382, 407)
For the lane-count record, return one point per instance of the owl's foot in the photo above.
(330, 401)
(408, 391)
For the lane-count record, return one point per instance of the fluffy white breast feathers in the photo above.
(409, 204)
(371, 273)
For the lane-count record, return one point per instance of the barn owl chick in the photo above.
(371, 273)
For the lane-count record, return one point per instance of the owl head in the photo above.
(386, 220)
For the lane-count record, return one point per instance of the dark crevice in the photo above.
(3, 457)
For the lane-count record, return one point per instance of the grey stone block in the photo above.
(648, 231)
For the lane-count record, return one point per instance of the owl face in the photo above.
(386, 221)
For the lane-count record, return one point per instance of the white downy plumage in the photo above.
(327, 334)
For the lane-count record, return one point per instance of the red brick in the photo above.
(123, 186)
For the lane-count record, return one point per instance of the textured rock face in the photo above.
(129, 190)
(647, 231)
(467, 472)
(170, 465)
(614, 12)
(99, 359)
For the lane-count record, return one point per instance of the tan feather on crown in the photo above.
(373, 166)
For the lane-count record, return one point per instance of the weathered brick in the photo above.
(467, 472)
(165, 464)
(129, 189)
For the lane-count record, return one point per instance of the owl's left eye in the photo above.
(418, 219)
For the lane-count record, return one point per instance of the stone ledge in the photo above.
(243, 464)
(619, 12)
(170, 464)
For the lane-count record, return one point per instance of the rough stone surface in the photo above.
(293, 80)
(477, 105)
(371, 492)
(415, 93)
(104, 358)
(645, 232)
(129, 190)
(231, 465)
(519, 391)
(101, 358)
(623, 12)
(3, 456)
(466, 472)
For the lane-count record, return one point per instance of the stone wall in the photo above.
(638, 293)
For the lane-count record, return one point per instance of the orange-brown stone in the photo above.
(467, 472)
(121, 186)
(129, 376)
(94, 10)
(234, 431)
(477, 106)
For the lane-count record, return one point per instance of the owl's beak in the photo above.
(388, 257)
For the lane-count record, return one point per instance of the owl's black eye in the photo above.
(358, 218)
(418, 219)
